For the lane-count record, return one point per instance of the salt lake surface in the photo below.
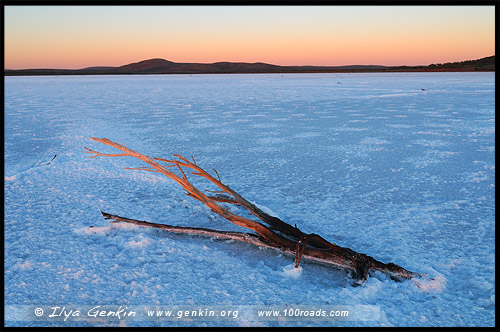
(398, 166)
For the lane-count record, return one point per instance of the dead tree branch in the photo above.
(270, 231)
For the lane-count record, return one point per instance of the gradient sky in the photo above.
(84, 36)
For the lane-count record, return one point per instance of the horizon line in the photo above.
(242, 62)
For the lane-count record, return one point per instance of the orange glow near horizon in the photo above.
(78, 37)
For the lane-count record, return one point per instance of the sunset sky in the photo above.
(83, 36)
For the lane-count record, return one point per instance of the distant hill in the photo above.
(483, 64)
(162, 66)
(146, 66)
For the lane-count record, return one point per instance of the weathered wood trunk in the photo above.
(270, 231)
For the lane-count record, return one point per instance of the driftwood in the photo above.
(270, 231)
